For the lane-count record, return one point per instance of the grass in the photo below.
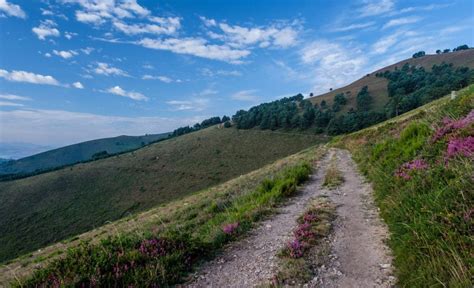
(424, 191)
(51, 207)
(333, 177)
(299, 259)
(176, 237)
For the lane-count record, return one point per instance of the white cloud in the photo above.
(148, 66)
(117, 90)
(167, 26)
(331, 65)
(208, 72)
(97, 12)
(85, 17)
(87, 50)
(245, 95)
(108, 70)
(208, 22)
(385, 43)
(11, 9)
(281, 36)
(198, 104)
(8, 103)
(161, 78)
(69, 35)
(14, 97)
(47, 55)
(353, 26)
(46, 29)
(78, 85)
(58, 127)
(28, 77)
(421, 8)
(65, 54)
(402, 21)
(376, 7)
(197, 47)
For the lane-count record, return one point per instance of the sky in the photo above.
(76, 70)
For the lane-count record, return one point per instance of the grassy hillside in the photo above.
(202, 218)
(421, 166)
(77, 153)
(378, 86)
(49, 207)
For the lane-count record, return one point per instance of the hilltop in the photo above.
(76, 153)
(377, 86)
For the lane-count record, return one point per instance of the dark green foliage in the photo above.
(411, 87)
(100, 155)
(364, 100)
(277, 114)
(419, 54)
(198, 126)
(461, 47)
(227, 124)
(339, 100)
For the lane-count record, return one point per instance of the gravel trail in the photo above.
(358, 256)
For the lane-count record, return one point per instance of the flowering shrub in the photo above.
(231, 228)
(303, 234)
(460, 146)
(450, 125)
(154, 247)
(406, 168)
(296, 248)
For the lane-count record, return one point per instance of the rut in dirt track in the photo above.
(358, 256)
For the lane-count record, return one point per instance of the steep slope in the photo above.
(421, 166)
(76, 153)
(49, 207)
(377, 86)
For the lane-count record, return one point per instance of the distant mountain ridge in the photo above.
(75, 153)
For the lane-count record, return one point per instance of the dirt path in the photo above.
(358, 256)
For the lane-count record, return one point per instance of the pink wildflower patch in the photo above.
(231, 228)
(460, 147)
(450, 125)
(296, 248)
(405, 170)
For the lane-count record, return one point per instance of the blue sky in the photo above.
(75, 70)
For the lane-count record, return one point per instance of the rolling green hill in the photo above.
(76, 153)
(429, 220)
(49, 207)
(377, 86)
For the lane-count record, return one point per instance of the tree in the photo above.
(446, 51)
(364, 100)
(340, 99)
(323, 104)
(461, 47)
(438, 51)
(227, 124)
(225, 118)
(419, 54)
